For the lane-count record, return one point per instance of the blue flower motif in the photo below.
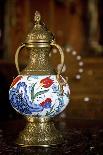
(46, 104)
(61, 104)
(37, 108)
(21, 101)
(55, 88)
(22, 85)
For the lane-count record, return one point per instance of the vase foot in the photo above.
(39, 132)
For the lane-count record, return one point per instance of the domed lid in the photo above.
(39, 34)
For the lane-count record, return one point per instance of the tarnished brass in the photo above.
(39, 132)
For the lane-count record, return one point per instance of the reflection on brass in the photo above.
(39, 132)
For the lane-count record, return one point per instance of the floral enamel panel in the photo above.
(38, 95)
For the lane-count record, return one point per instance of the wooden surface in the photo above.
(81, 138)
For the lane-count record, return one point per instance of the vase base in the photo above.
(39, 132)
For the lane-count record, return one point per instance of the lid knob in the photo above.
(37, 17)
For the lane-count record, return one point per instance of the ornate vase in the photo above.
(38, 92)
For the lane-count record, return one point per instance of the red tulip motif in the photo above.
(16, 80)
(46, 103)
(47, 82)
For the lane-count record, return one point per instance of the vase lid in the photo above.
(39, 35)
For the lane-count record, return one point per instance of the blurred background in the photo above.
(77, 26)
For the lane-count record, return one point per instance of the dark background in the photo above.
(70, 21)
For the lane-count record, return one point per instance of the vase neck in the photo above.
(39, 63)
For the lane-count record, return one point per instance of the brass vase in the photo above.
(38, 92)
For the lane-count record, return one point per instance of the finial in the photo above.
(37, 17)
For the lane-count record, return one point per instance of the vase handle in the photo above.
(62, 57)
(16, 57)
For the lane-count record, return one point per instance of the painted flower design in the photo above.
(47, 82)
(38, 96)
(46, 103)
(16, 80)
(19, 100)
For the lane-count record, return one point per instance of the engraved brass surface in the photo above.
(39, 63)
(39, 33)
(39, 132)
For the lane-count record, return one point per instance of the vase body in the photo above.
(38, 95)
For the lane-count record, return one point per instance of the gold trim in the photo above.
(16, 57)
(38, 41)
(39, 44)
(62, 64)
(62, 56)
(35, 119)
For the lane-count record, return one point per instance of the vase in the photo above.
(39, 93)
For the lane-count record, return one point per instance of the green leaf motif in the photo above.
(32, 91)
(51, 112)
(33, 95)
